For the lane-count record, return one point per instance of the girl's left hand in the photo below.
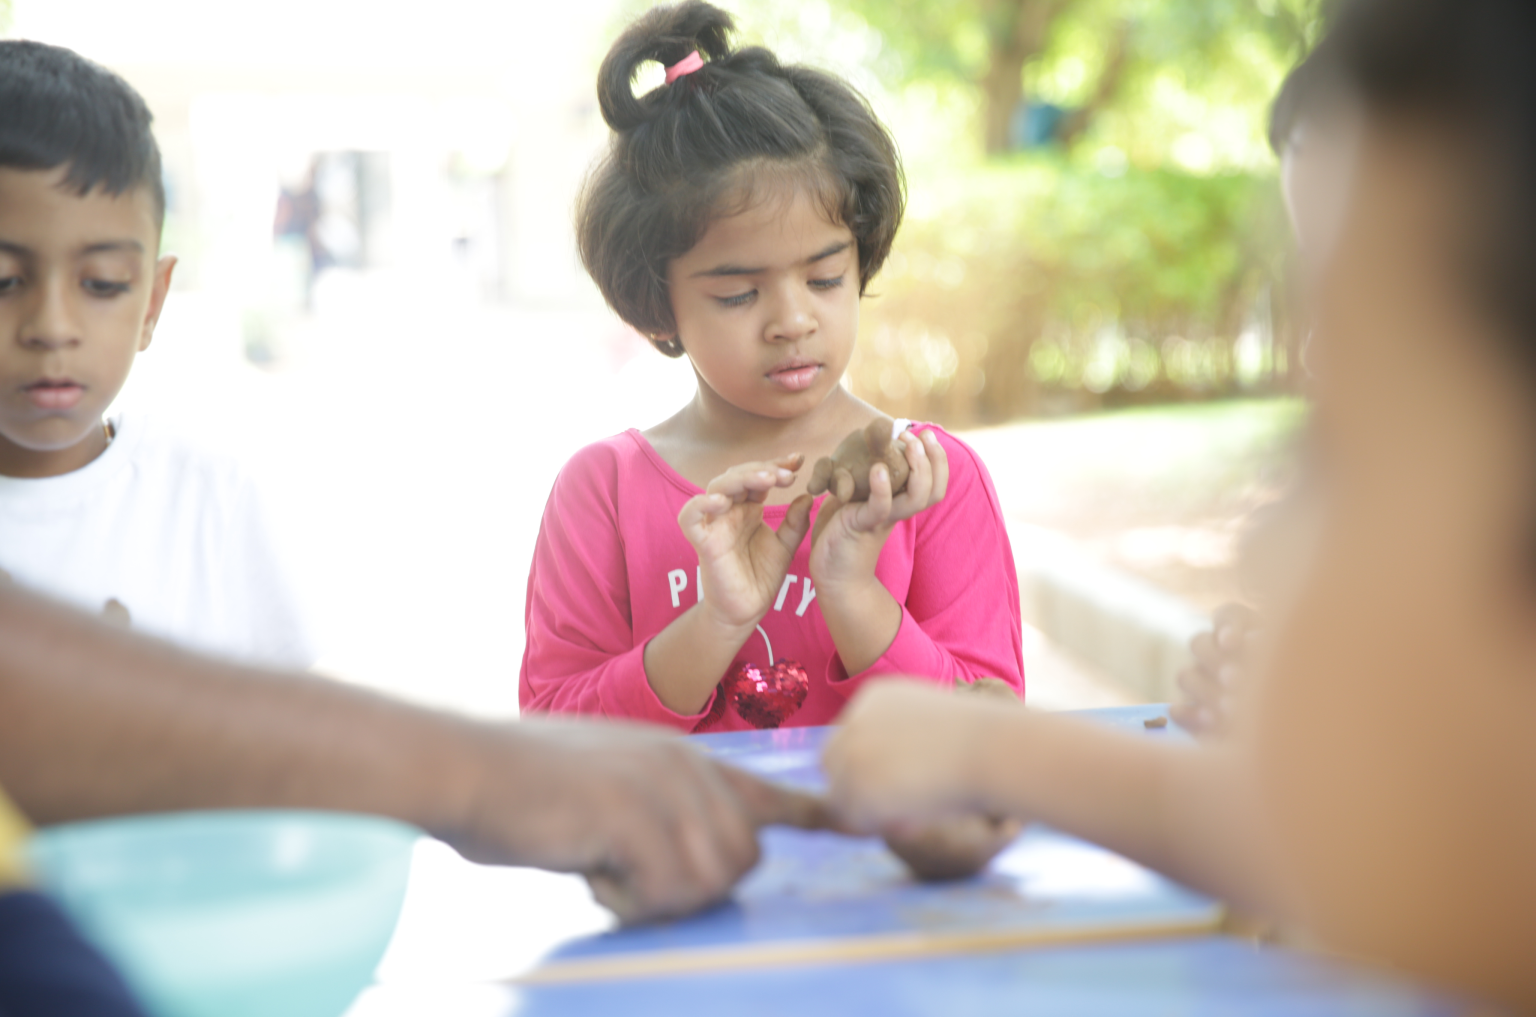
(849, 544)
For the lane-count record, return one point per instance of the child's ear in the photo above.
(164, 268)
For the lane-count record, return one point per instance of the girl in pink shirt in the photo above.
(739, 216)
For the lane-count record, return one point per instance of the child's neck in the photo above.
(704, 440)
(719, 423)
(34, 464)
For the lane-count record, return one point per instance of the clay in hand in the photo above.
(959, 847)
(846, 473)
(955, 848)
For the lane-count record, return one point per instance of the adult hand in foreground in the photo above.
(96, 721)
(657, 828)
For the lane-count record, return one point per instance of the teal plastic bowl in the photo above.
(237, 913)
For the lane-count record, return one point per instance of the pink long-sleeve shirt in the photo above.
(612, 569)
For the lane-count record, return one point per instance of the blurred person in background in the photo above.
(110, 512)
(1379, 794)
(1313, 132)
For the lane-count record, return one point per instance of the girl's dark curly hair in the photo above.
(711, 144)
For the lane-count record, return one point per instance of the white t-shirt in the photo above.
(174, 533)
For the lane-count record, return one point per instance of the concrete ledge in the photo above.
(1132, 631)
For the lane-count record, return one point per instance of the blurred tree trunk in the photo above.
(1018, 31)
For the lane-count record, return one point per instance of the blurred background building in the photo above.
(379, 301)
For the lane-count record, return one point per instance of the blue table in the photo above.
(833, 925)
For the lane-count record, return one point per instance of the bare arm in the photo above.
(861, 615)
(1185, 811)
(741, 566)
(94, 721)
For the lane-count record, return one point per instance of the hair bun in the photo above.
(665, 34)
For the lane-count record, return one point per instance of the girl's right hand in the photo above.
(742, 561)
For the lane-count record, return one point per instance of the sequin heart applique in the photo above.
(768, 697)
(763, 697)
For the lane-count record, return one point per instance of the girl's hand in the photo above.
(849, 544)
(907, 752)
(742, 561)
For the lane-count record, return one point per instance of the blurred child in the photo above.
(106, 512)
(742, 210)
(1314, 140)
(1380, 794)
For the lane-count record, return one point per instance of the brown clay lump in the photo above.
(846, 473)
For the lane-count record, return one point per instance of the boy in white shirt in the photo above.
(109, 514)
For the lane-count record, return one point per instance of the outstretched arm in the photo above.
(908, 751)
(95, 721)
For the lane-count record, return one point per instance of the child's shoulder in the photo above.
(616, 449)
(965, 464)
(623, 458)
(160, 456)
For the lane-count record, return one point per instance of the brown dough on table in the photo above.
(1155, 722)
(955, 848)
(958, 848)
(115, 613)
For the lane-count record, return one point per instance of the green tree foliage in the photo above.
(1034, 288)
(1086, 55)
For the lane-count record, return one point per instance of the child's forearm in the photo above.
(863, 621)
(1184, 810)
(686, 660)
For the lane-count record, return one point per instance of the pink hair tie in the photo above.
(687, 65)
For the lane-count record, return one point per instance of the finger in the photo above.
(849, 802)
(751, 478)
(868, 516)
(1234, 615)
(732, 827)
(718, 845)
(673, 869)
(939, 459)
(1208, 656)
(1232, 636)
(770, 804)
(613, 892)
(797, 521)
(920, 477)
(698, 511)
(1187, 716)
(842, 484)
(1200, 687)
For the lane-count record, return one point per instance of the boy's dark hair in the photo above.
(1299, 92)
(1466, 67)
(59, 109)
(708, 145)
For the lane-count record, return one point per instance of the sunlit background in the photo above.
(379, 304)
